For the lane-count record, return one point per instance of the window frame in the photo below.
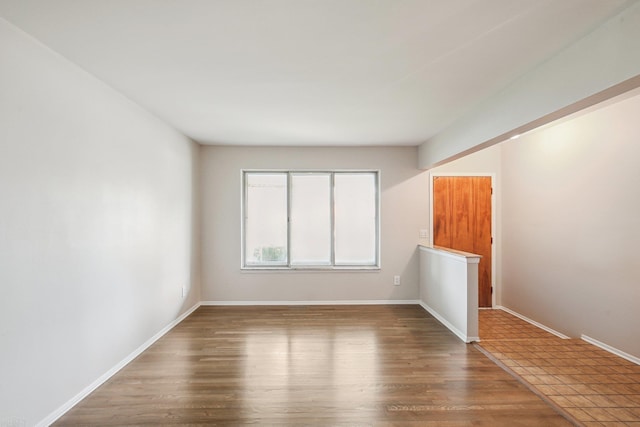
(288, 266)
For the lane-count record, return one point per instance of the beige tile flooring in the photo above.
(592, 386)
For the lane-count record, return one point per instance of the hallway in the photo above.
(593, 386)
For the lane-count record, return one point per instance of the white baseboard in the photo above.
(534, 323)
(446, 323)
(347, 302)
(593, 341)
(612, 350)
(51, 418)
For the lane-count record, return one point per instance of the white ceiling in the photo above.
(308, 72)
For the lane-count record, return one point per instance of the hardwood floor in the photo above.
(312, 365)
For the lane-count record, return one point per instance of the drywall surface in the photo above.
(97, 226)
(571, 226)
(606, 57)
(403, 213)
(449, 290)
(484, 161)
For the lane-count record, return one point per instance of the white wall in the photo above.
(403, 214)
(571, 225)
(97, 226)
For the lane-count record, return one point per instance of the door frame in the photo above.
(432, 175)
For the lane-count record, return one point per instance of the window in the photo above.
(301, 219)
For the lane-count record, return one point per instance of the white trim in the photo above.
(494, 229)
(446, 323)
(612, 350)
(534, 323)
(52, 417)
(465, 257)
(315, 269)
(345, 302)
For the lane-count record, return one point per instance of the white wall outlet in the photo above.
(396, 280)
(184, 291)
(424, 234)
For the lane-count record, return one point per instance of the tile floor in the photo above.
(592, 386)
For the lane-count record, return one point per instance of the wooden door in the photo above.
(462, 221)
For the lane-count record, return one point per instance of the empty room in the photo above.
(330, 213)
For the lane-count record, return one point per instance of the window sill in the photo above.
(314, 269)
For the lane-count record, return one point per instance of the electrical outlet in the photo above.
(424, 234)
(184, 291)
(396, 280)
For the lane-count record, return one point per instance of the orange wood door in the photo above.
(462, 221)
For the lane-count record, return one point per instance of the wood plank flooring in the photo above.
(389, 365)
(594, 386)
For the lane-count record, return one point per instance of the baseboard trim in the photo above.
(612, 350)
(447, 324)
(344, 302)
(51, 418)
(533, 322)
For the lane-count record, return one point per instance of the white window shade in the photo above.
(266, 219)
(355, 218)
(310, 219)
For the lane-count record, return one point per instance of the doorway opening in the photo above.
(462, 218)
